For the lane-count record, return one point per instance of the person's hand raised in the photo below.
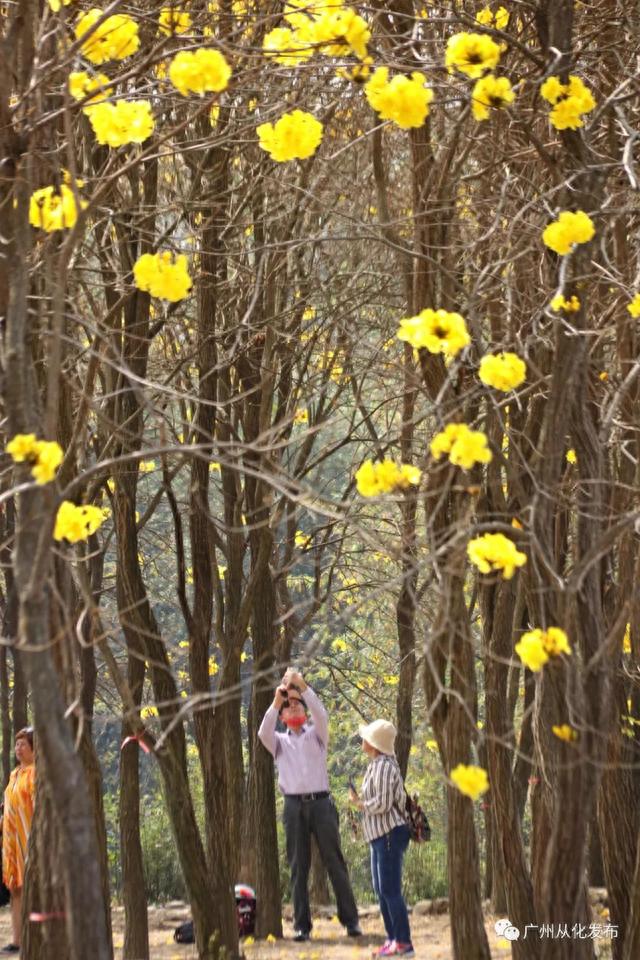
(293, 677)
(281, 696)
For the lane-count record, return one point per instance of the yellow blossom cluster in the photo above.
(634, 307)
(328, 27)
(437, 330)
(571, 101)
(199, 71)
(498, 20)
(405, 100)
(564, 732)
(45, 456)
(83, 84)
(75, 523)
(463, 446)
(490, 92)
(570, 228)
(502, 371)
(53, 208)
(373, 479)
(559, 302)
(470, 780)
(117, 124)
(113, 39)
(495, 552)
(473, 54)
(295, 136)
(163, 275)
(173, 21)
(536, 647)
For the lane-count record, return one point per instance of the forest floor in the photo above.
(431, 939)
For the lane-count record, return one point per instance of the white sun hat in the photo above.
(380, 734)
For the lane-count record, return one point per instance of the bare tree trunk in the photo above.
(262, 801)
(134, 894)
(44, 884)
(62, 771)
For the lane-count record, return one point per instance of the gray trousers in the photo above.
(320, 817)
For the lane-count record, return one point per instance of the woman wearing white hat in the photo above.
(385, 827)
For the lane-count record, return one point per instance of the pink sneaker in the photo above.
(386, 950)
(403, 950)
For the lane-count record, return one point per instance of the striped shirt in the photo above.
(383, 799)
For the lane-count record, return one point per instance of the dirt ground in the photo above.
(431, 938)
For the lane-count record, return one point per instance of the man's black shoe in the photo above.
(300, 936)
(354, 931)
(10, 948)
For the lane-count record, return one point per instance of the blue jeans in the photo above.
(387, 853)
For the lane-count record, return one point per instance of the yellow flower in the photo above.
(286, 46)
(302, 539)
(626, 640)
(570, 228)
(488, 92)
(146, 466)
(555, 642)
(81, 84)
(45, 456)
(498, 20)
(495, 552)
(213, 667)
(48, 458)
(531, 651)
(373, 479)
(114, 39)
(537, 646)
(301, 416)
(23, 447)
(75, 523)
(270, 938)
(565, 732)
(502, 371)
(117, 124)
(340, 32)
(552, 89)
(572, 456)
(464, 447)
(436, 330)
(173, 20)
(295, 135)
(634, 306)
(570, 102)
(199, 71)
(163, 275)
(470, 780)
(53, 209)
(405, 100)
(56, 4)
(568, 306)
(148, 712)
(472, 54)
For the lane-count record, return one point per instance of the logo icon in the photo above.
(504, 928)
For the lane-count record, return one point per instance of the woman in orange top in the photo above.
(16, 825)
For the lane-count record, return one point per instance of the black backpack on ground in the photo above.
(245, 911)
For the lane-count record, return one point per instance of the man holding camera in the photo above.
(301, 759)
